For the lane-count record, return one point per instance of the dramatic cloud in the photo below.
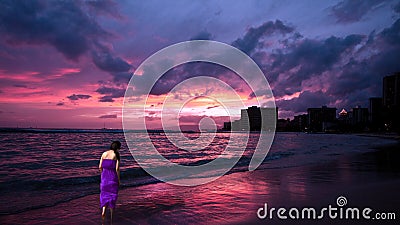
(363, 78)
(250, 41)
(106, 99)
(69, 26)
(306, 59)
(75, 97)
(335, 54)
(114, 116)
(61, 24)
(336, 71)
(180, 73)
(20, 85)
(396, 7)
(104, 7)
(305, 100)
(214, 106)
(349, 11)
(107, 62)
(203, 35)
(391, 35)
(110, 93)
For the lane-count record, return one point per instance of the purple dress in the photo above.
(109, 183)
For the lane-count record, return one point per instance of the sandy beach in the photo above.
(366, 179)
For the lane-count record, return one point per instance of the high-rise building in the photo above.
(391, 90)
(359, 118)
(255, 118)
(254, 114)
(236, 125)
(269, 118)
(343, 115)
(227, 126)
(375, 114)
(391, 101)
(300, 122)
(321, 119)
(244, 120)
(344, 121)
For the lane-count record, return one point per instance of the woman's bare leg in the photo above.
(103, 213)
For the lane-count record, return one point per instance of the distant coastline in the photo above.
(74, 130)
(391, 135)
(58, 130)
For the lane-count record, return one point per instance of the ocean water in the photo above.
(39, 170)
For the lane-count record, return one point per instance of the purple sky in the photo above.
(67, 63)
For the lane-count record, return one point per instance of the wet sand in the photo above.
(369, 179)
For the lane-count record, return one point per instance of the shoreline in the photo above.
(235, 197)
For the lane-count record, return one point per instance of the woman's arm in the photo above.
(101, 162)
(117, 169)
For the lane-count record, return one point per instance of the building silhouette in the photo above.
(236, 125)
(300, 122)
(391, 102)
(376, 114)
(269, 118)
(359, 118)
(382, 114)
(321, 119)
(227, 126)
(343, 115)
(254, 119)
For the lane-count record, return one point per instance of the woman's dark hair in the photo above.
(115, 146)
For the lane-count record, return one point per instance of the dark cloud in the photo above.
(307, 58)
(118, 68)
(349, 11)
(106, 98)
(114, 92)
(20, 85)
(60, 104)
(178, 74)
(75, 97)
(353, 76)
(108, 116)
(353, 81)
(306, 100)
(122, 77)
(360, 79)
(110, 93)
(396, 7)
(104, 7)
(107, 62)
(69, 26)
(211, 107)
(62, 24)
(345, 71)
(251, 39)
(203, 35)
(391, 35)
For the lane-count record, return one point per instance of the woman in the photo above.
(110, 178)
